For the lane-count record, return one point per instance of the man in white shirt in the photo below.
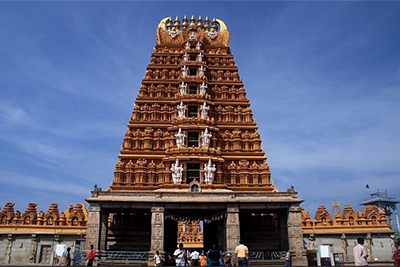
(194, 258)
(180, 256)
(360, 253)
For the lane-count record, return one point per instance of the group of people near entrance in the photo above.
(213, 257)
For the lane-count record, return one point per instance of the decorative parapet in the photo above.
(369, 219)
(32, 221)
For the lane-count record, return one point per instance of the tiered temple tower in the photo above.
(192, 153)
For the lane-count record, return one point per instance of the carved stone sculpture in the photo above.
(209, 170)
(203, 88)
(202, 69)
(204, 110)
(177, 172)
(183, 88)
(186, 56)
(205, 138)
(181, 110)
(185, 71)
(180, 138)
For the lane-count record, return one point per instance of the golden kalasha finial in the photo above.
(214, 24)
(169, 23)
(200, 23)
(185, 23)
(192, 21)
(207, 24)
(177, 23)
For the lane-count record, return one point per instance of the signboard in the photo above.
(60, 249)
(324, 251)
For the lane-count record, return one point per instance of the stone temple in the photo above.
(191, 170)
(192, 156)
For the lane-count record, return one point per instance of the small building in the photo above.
(41, 238)
(339, 235)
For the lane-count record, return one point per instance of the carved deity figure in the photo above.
(209, 170)
(173, 33)
(311, 245)
(212, 34)
(187, 45)
(185, 70)
(204, 110)
(205, 138)
(185, 57)
(193, 36)
(203, 88)
(344, 247)
(177, 172)
(183, 88)
(198, 46)
(181, 110)
(180, 138)
(202, 69)
(200, 57)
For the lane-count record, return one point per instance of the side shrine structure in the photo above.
(192, 156)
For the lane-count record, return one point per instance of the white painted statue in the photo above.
(193, 36)
(173, 33)
(183, 88)
(185, 71)
(198, 46)
(209, 170)
(180, 138)
(185, 57)
(202, 69)
(187, 45)
(200, 57)
(204, 110)
(205, 138)
(181, 110)
(177, 172)
(203, 88)
(212, 34)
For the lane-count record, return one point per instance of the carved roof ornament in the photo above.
(170, 31)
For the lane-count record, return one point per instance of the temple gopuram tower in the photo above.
(191, 154)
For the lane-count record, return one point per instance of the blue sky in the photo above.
(322, 77)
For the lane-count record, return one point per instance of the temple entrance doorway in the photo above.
(214, 233)
(170, 236)
(129, 231)
(264, 232)
(197, 230)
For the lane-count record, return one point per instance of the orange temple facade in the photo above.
(190, 170)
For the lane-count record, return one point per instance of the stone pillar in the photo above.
(157, 231)
(93, 227)
(295, 233)
(232, 228)
(103, 230)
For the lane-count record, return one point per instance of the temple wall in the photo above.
(380, 250)
(23, 250)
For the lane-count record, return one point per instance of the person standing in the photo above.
(91, 256)
(287, 259)
(396, 257)
(360, 253)
(180, 256)
(67, 259)
(203, 259)
(157, 258)
(194, 258)
(214, 256)
(242, 254)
